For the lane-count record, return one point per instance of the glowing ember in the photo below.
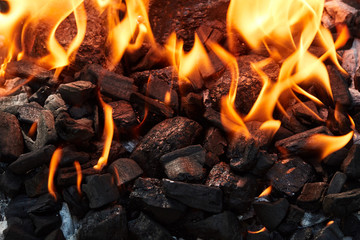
(79, 176)
(266, 192)
(329, 223)
(256, 232)
(55, 160)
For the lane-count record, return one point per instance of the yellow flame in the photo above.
(55, 160)
(32, 129)
(79, 176)
(266, 192)
(259, 231)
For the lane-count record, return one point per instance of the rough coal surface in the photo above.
(351, 164)
(337, 182)
(311, 196)
(342, 204)
(76, 93)
(271, 214)
(124, 170)
(123, 114)
(10, 183)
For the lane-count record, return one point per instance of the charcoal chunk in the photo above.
(100, 190)
(243, 153)
(70, 154)
(342, 204)
(78, 204)
(124, 170)
(37, 184)
(45, 224)
(45, 204)
(289, 175)
(311, 196)
(11, 142)
(331, 231)
(184, 164)
(271, 213)
(55, 235)
(303, 234)
(123, 114)
(215, 141)
(165, 137)
(19, 206)
(11, 101)
(350, 226)
(16, 232)
(145, 228)
(351, 164)
(195, 195)
(40, 95)
(109, 223)
(76, 93)
(337, 182)
(154, 106)
(55, 104)
(10, 183)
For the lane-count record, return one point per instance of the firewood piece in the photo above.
(195, 195)
(342, 204)
(271, 213)
(12, 143)
(144, 227)
(31, 160)
(311, 196)
(10, 183)
(239, 191)
(351, 164)
(289, 175)
(337, 182)
(214, 141)
(109, 223)
(76, 93)
(37, 184)
(165, 137)
(124, 170)
(185, 164)
(123, 114)
(148, 195)
(100, 190)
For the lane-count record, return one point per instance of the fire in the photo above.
(32, 129)
(256, 232)
(55, 160)
(330, 222)
(79, 176)
(266, 192)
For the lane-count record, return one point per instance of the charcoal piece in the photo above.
(357, 79)
(192, 105)
(264, 162)
(163, 74)
(239, 191)
(144, 228)
(331, 231)
(303, 234)
(342, 204)
(11, 142)
(337, 182)
(44, 224)
(311, 196)
(165, 137)
(185, 164)
(340, 12)
(45, 204)
(351, 164)
(123, 114)
(37, 184)
(289, 121)
(299, 144)
(10, 183)
(70, 154)
(31, 160)
(336, 158)
(219, 226)
(17, 231)
(15, 86)
(19, 206)
(100, 190)
(124, 170)
(214, 118)
(55, 104)
(338, 121)
(45, 132)
(350, 226)
(109, 223)
(154, 106)
(211, 159)
(85, 110)
(10, 101)
(74, 131)
(214, 141)
(57, 234)
(148, 195)
(307, 113)
(78, 204)
(195, 195)
(292, 220)
(40, 95)
(116, 150)
(29, 112)
(76, 93)
(289, 175)
(271, 213)
(68, 176)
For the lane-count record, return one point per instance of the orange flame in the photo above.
(266, 192)
(79, 176)
(55, 160)
(32, 129)
(330, 222)
(259, 231)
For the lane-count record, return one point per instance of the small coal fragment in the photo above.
(45, 204)
(271, 213)
(165, 137)
(68, 176)
(350, 226)
(148, 195)
(10, 101)
(45, 224)
(74, 131)
(85, 110)
(31, 160)
(307, 113)
(76, 93)
(18, 207)
(243, 153)
(195, 195)
(292, 220)
(264, 162)
(78, 205)
(239, 191)
(11, 142)
(100, 190)
(214, 141)
(222, 226)
(336, 158)
(16, 231)
(124, 170)
(185, 164)
(55, 235)
(55, 104)
(37, 184)
(70, 154)
(109, 223)
(351, 164)
(338, 121)
(192, 105)
(163, 74)
(123, 114)
(342, 204)
(289, 175)
(40, 95)
(29, 112)
(331, 231)
(10, 183)
(337, 182)
(154, 106)
(144, 228)
(311, 196)
(211, 159)
(213, 117)
(303, 234)
(116, 150)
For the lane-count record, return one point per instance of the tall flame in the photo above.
(79, 176)
(55, 160)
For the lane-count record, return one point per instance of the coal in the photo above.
(16, 231)
(243, 153)
(143, 227)
(10, 183)
(224, 226)
(44, 205)
(351, 164)
(100, 190)
(45, 224)
(271, 213)
(307, 113)
(70, 154)
(37, 184)
(40, 95)
(336, 158)
(68, 176)
(165, 137)
(29, 112)
(31, 160)
(350, 225)
(238, 191)
(311, 196)
(124, 170)
(76, 93)
(78, 204)
(195, 195)
(262, 235)
(337, 182)
(82, 111)
(109, 223)
(12, 145)
(331, 231)
(214, 118)
(192, 105)
(342, 204)
(163, 74)
(185, 164)
(19, 206)
(10, 101)
(55, 104)
(303, 234)
(292, 220)
(264, 162)
(214, 141)
(289, 175)
(55, 235)
(148, 195)
(123, 114)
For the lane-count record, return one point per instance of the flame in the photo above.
(330, 222)
(256, 232)
(55, 160)
(79, 176)
(266, 192)
(32, 129)
(167, 98)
